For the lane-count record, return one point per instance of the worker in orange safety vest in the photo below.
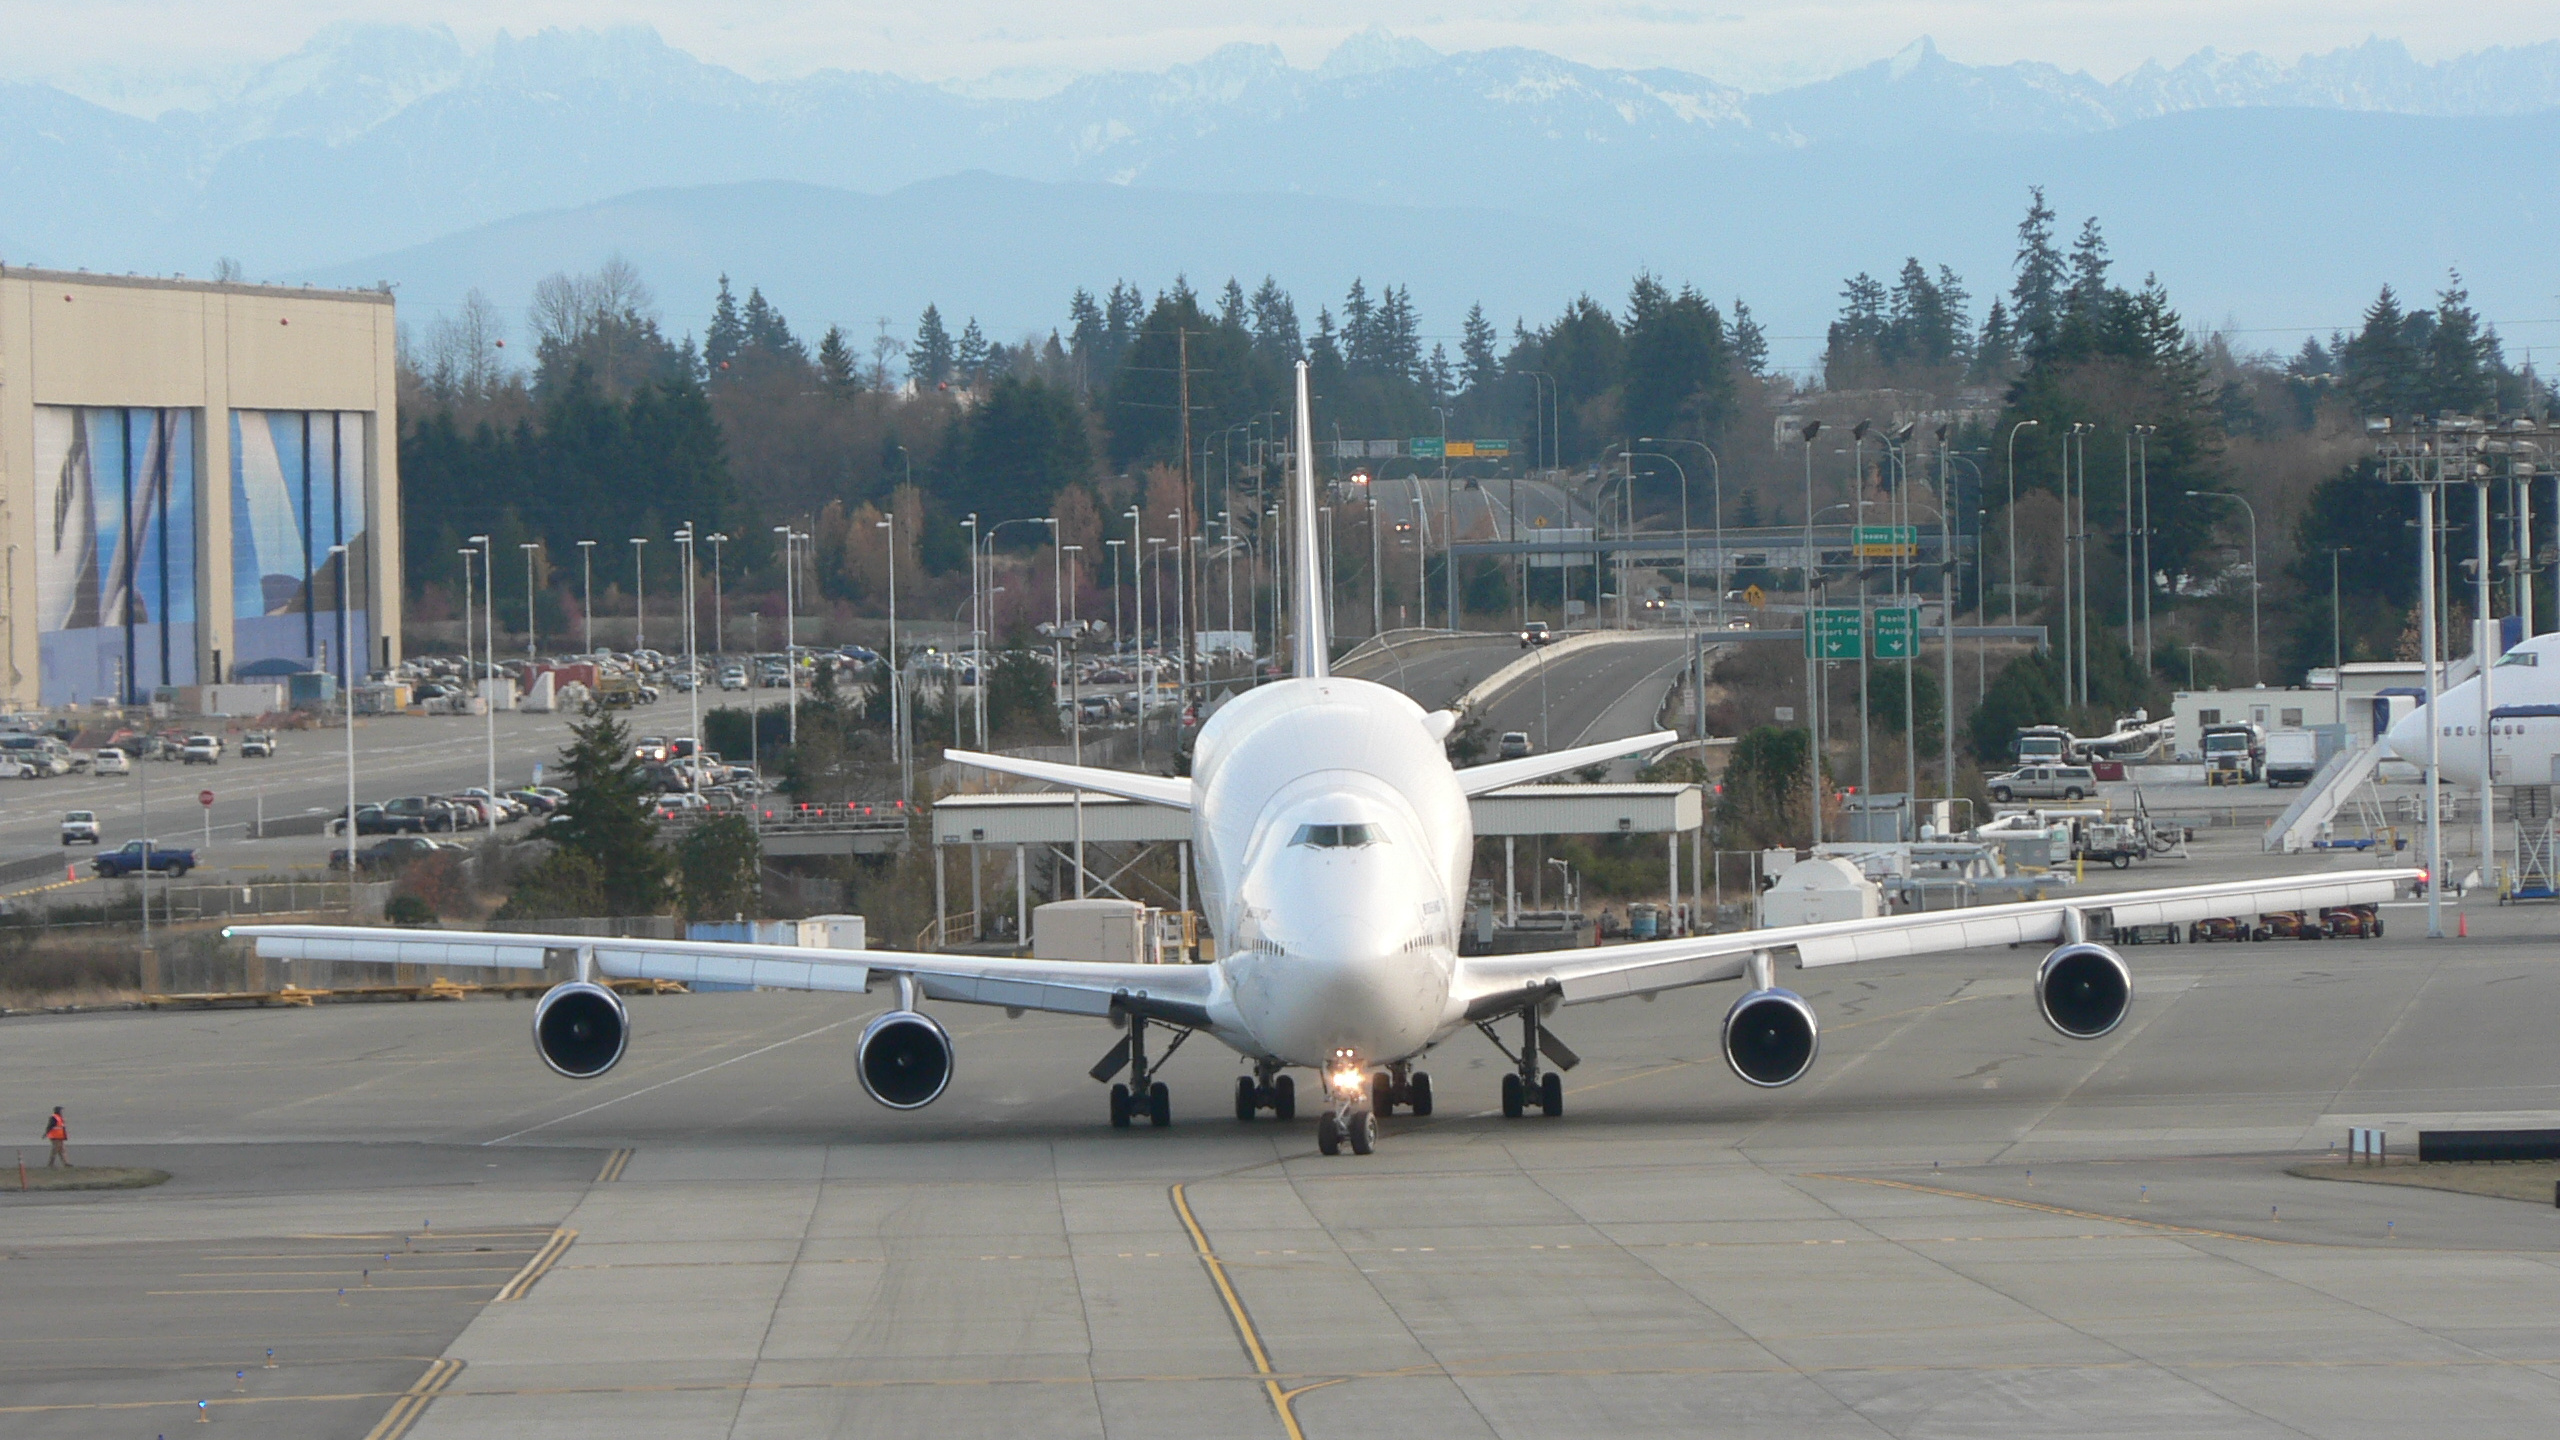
(59, 1133)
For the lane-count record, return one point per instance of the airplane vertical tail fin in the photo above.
(1308, 654)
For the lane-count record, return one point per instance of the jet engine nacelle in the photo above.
(2084, 990)
(580, 1029)
(1770, 1037)
(904, 1059)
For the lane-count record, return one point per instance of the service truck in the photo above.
(2234, 754)
(2293, 757)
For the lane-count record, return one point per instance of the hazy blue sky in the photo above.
(144, 52)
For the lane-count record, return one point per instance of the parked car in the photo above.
(1513, 745)
(136, 855)
(369, 821)
(80, 827)
(1534, 633)
(201, 750)
(2044, 782)
(110, 761)
(733, 677)
(390, 854)
(257, 745)
(415, 815)
(13, 768)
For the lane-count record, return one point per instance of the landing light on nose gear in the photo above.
(1347, 1113)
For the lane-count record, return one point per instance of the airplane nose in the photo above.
(2407, 737)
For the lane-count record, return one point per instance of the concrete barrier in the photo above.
(1529, 661)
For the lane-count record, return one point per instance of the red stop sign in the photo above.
(205, 798)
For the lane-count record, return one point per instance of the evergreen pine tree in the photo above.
(1750, 342)
(721, 342)
(929, 358)
(605, 820)
(836, 360)
(2036, 299)
(969, 358)
(1479, 366)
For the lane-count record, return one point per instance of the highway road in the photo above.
(1438, 675)
(1587, 696)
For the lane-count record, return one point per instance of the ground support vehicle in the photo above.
(2219, 928)
(2352, 922)
(2289, 925)
(2106, 841)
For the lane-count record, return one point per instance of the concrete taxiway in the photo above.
(1959, 1224)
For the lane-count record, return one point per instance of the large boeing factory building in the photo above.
(177, 461)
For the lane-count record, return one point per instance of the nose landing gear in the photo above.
(1353, 1103)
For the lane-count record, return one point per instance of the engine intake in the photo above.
(2084, 990)
(904, 1059)
(580, 1029)
(1770, 1037)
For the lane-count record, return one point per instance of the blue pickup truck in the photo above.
(128, 857)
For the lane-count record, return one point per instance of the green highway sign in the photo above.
(1492, 447)
(1885, 541)
(1897, 634)
(1425, 447)
(1831, 633)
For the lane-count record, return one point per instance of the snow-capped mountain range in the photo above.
(378, 141)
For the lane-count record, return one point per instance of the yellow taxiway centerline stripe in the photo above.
(543, 1259)
(1280, 1399)
(413, 1403)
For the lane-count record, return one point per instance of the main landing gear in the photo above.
(1142, 1095)
(1266, 1089)
(1526, 1085)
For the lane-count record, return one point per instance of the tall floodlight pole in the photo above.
(339, 553)
(977, 640)
(1140, 563)
(528, 547)
(639, 596)
(1181, 617)
(2012, 567)
(720, 606)
(1715, 482)
(2435, 717)
(2072, 660)
(2337, 653)
(2484, 644)
(489, 642)
(2257, 657)
(1075, 716)
(1812, 643)
(692, 668)
(791, 635)
(1866, 725)
(897, 673)
(2142, 467)
(587, 593)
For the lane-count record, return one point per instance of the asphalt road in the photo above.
(1960, 1224)
(1602, 693)
(1434, 677)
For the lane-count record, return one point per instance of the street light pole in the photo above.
(692, 668)
(639, 597)
(2336, 653)
(587, 592)
(2257, 657)
(2013, 518)
(898, 738)
(489, 642)
(1812, 645)
(2142, 461)
(791, 634)
(528, 547)
(720, 607)
(338, 553)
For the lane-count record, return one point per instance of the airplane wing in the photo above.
(1494, 983)
(1478, 779)
(1175, 993)
(1169, 790)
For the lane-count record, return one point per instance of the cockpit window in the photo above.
(1332, 837)
(2521, 657)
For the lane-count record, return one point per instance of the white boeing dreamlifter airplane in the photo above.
(1333, 840)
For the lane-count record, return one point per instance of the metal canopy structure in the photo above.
(1050, 820)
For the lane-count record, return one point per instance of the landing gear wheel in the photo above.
(1247, 1101)
(1551, 1094)
(1515, 1099)
(1284, 1099)
(1418, 1093)
(1364, 1132)
(1159, 1105)
(1382, 1093)
(1119, 1107)
(1328, 1134)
